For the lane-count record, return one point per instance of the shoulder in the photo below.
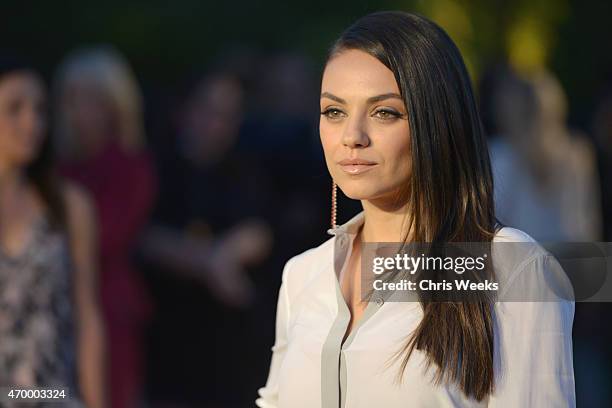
(525, 270)
(309, 264)
(511, 248)
(510, 234)
(79, 205)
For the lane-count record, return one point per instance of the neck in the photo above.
(10, 178)
(11, 184)
(384, 223)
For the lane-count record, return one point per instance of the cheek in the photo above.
(38, 132)
(330, 139)
(398, 153)
(8, 130)
(20, 139)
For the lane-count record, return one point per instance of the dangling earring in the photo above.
(334, 204)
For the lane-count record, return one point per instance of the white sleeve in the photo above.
(268, 395)
(533, 361)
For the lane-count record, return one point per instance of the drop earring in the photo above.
(334, 204)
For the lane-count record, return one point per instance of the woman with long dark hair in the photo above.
(401, 133)
(51, 333)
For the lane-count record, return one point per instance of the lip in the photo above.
(356, 166)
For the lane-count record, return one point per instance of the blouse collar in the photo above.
(350, 227)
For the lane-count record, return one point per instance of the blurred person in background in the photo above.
(207, 233)
(546, 183)
(592, 334)
(51, 331)
(602, 132)
(545, 175)
(281, 131)
(99, 123)
(281, 134)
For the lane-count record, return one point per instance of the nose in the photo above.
(355, 134)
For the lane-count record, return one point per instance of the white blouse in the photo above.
(311, 367)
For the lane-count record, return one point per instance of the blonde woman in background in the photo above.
(100, 134)
(545, 173)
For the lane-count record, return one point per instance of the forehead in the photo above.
(354, 72)
(20, 83)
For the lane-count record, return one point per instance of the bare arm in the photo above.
(82, 228)
(170, 249)
(218, 262)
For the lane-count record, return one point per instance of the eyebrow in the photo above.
(371, 99)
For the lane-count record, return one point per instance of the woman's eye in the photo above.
(332, 113)
(386, 114)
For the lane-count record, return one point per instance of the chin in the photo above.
(359, 190)
(24, 157)
(371, 190)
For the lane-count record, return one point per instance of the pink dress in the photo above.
(123, 187)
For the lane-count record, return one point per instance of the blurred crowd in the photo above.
(155, 228)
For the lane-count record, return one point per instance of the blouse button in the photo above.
(380, 301)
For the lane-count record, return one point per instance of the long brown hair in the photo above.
(451, 188)
(41, 172)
